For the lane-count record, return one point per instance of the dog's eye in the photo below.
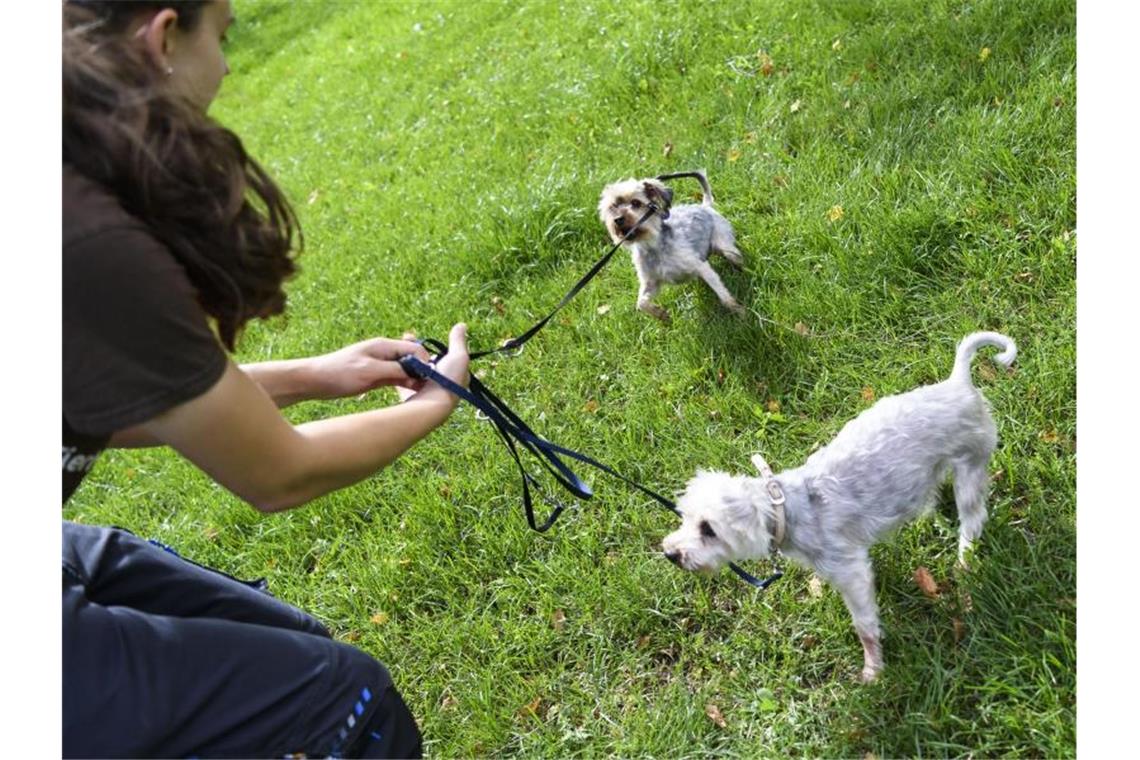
(706, 529)
(635, 204)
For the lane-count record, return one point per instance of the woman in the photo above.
(174, 239)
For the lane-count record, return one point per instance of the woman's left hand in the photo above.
(364, 366)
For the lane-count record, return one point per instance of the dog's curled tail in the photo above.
(970, 345)
(699, 175)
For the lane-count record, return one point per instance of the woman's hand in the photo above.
(364, 366)
(453, 366)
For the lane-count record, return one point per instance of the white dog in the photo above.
(883, 469)
(673, 245)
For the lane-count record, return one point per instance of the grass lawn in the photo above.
(899, 174)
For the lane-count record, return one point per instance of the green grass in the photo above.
(444, 156)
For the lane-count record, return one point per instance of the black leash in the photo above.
(516, 433)
(517, 343)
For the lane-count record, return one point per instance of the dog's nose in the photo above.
(674, 557)
(621, 224)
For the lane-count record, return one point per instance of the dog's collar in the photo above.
(775, 496)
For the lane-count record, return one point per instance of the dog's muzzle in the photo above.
(674, 557)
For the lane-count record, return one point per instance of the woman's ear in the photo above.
(157, 34)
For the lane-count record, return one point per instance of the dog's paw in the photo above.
(737, 308)
(869, 675)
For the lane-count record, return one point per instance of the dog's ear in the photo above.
(660, 194)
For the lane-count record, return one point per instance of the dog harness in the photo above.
(775, 494)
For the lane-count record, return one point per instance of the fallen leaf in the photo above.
(835, 213)
(713, 712)
(780, 180)
(1049, 436)
(448, 702)
(837, 45)
(352, 636)
(815, 587)
(643, 641)
(1024, 277)
(604, 309)
(868, 393)
(530, 708)
(733, 155)
(773, 405)
(926, 582)
(847, 104)
(966, 601)
(313, 197)
(750, 137)
(211, 533)
(801, 329)
(808, 642)
(720, 377)
(795, 105)
(558, 620)
(983, 54)
(766, 65)
(445, 491)
(498, 304)
(959, 629)
(667, 150)
(590, 406)
(987, 372)
(380, 618)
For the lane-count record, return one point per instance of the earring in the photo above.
(169, 70)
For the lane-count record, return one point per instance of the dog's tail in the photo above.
(699, 175)
(970, 345)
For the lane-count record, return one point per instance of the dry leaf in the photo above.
(313, 197)
(983, 54)
(780, 180)
(380, 618)
(808, 642)
(590, 406)
(926, 582)
(815, 587)
(868, 393)
(448, 702)
(667, 150)
(713, 712)
(720, 377)
(837, 45)
(750, 137)
(959, 629)
(795, 105)
(966, 601)
(643, 641)
(773, 405)
(1049, 436)
(558, 620)
(498, 304)
(733, 155)
(835, 213)
(847, 104)
(766, 65)
(801, 329)
(604, 309)
(530, 708)
(211, 533)
(352, 636)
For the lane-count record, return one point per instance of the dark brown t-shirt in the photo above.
(135, 341)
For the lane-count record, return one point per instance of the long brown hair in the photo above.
(172, 167)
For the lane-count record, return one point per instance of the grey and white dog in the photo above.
(882, 470)
(673, 249)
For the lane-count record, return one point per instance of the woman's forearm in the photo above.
(287, 381)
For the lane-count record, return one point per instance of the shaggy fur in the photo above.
(882, 470)
(673, 249)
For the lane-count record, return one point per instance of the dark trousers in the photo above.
(165, 658)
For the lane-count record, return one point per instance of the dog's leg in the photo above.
(709, 275)
(971, 482)
(724, 243)
(856, 582)
(645, 304)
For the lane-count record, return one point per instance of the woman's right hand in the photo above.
(453, 366)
